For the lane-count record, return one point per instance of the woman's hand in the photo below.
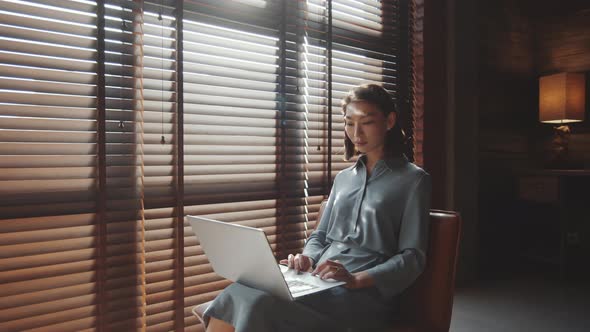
(298, 262)
(335, 270)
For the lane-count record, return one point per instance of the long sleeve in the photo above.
(398, 272)
(316, 243)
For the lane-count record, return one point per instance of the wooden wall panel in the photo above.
(507, 84)
(563, 41)
(417, 7)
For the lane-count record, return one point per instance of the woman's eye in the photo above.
(348, 124)
(367, 123)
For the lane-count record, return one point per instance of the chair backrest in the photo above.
(430, 299)
(428, 303)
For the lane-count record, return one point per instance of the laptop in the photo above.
(242, 254)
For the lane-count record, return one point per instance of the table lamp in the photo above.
(561, 101)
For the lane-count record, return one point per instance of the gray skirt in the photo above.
(337, 309)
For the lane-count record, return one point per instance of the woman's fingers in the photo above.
(325, 265)
(334, 272)
(327, 273)
(331, 269)
(302, 262)
(298, 262)
(305, 263)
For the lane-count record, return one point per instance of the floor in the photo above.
(523, 302)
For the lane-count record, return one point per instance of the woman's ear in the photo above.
(391, 118)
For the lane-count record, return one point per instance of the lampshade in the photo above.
(561, 98)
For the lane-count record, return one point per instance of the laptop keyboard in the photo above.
(298, 286)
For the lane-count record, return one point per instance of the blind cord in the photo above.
(121, 123)
(163, 139)
(320, 108)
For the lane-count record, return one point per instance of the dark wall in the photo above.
(562, 38)
(519, 42)
(436, 91)
(507, 83)
(506, 95)
(562, 44)
(464, 131)
(450, 117)
(482, 61)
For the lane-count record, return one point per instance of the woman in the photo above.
(373, 235)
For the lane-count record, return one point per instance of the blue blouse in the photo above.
(377, 223)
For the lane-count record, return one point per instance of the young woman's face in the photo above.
(366, 126)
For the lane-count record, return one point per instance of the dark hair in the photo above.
(395, 139)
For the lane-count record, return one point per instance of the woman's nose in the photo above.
(357, 130)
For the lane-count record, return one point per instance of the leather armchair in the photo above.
(426, 306)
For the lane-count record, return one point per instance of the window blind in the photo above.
(251, 143)
(124, 175)
(140, 108)
(306, 77)
(160, 153)
(231, 93)
(48, 177)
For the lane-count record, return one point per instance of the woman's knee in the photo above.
(217, 325)
(238, 302)
(250, 297)
(263, 302)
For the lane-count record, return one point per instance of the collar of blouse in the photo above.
(392, 162)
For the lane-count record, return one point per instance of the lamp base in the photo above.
(557, 153)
